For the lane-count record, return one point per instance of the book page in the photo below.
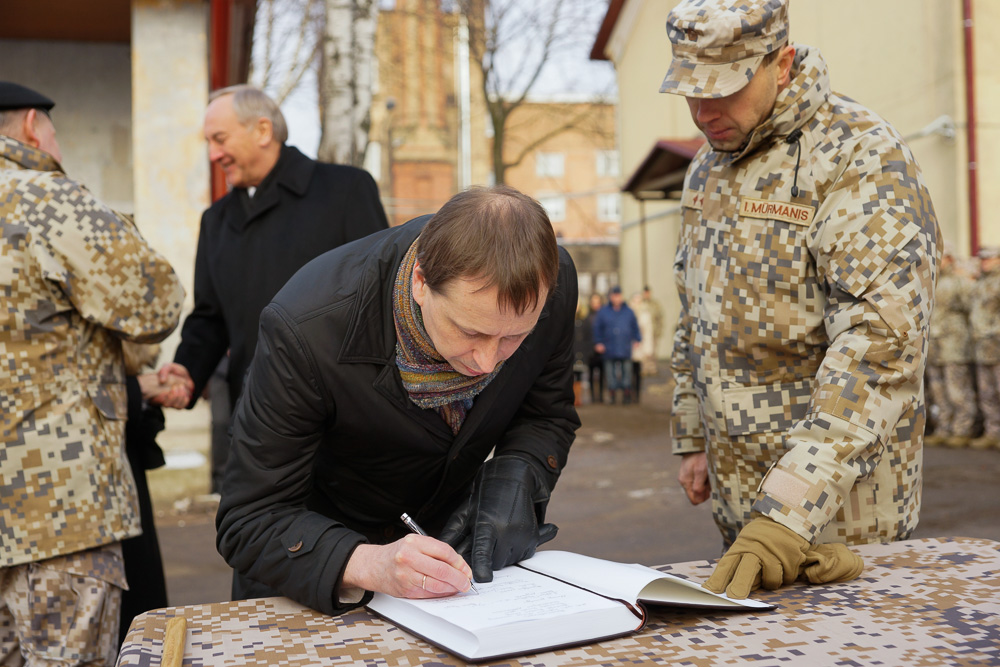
(514, 595)
(630, 581)
(518, 612)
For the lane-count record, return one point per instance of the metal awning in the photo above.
(661, 174)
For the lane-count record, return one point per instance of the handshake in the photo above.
(766, 554)
(170, 387)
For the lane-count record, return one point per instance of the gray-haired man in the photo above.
(284, 209)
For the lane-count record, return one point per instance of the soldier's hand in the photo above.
(765, 553)
(693, 476)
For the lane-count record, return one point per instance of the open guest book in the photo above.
(552, 600)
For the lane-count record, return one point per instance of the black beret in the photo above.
(16, 96)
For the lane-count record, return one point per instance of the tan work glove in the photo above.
(765, 553)
(831, 564)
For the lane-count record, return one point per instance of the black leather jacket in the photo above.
(328, 450)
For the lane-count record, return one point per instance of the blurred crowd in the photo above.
(615, 345)
(963, 360)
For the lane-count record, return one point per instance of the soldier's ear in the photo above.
(785, 61)
(29, 129)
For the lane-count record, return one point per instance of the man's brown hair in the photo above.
(496, 234)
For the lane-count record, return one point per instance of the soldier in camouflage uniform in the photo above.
(806, 267)
(985, 321)
(951, 385)
(77, 279)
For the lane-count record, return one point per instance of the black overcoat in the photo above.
(328, 450)
(248, 248)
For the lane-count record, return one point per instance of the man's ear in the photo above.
(29, 128)
(785, 61)
(263, 132)
(418, 286)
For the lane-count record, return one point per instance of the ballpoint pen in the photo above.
(412, 525)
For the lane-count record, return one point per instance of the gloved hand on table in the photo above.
(832, 564)
(768, 554)
(498, 525)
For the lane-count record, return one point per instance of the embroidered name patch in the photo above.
(796, 214)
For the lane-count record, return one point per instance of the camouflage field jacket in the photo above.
(800, 347)
(76, 279)
(984, 318)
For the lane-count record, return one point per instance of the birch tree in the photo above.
(346, 79)
(286, 45)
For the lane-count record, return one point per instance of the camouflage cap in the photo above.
(719, 44)
(989, 252)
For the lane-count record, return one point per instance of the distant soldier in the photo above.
(951, 386)
(985, 320)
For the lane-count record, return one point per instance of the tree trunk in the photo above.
(345, 80)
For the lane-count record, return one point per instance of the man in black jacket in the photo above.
(386, 373)
(284, 209)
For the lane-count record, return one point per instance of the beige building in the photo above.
(563, 153)
(566, 158)
(905, 59)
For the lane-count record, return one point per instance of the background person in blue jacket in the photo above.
(616, 330)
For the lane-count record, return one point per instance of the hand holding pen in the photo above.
(413, 526)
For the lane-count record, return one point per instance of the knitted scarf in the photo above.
(429, 380)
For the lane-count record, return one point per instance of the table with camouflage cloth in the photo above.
(920, 602)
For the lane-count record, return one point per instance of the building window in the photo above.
(549, 164)
(555, 206)
(609, 207)
(607, 163)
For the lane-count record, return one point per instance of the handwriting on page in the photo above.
(514, 595)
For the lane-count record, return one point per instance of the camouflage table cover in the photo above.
(920, 602)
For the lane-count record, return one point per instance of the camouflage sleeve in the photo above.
(102, 265)
(686, 430)
(876, 250)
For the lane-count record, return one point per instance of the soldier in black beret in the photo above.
(78, 280)
(20, 118)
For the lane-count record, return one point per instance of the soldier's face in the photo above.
(467, 326)
(237, 148)
(728, 121)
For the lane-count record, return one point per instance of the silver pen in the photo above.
(412, 525)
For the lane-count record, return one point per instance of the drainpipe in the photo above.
(970, 124)
(218, 75)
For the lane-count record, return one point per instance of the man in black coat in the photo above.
(284, 209)
(386, 373)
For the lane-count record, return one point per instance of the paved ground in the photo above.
(617, 499)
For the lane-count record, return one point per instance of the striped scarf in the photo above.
(429, 380)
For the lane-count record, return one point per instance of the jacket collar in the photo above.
(797, 103)
(292, 172)
(25, 156)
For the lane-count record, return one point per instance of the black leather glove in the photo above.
(498, 525)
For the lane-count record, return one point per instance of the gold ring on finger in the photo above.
(423, 582)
